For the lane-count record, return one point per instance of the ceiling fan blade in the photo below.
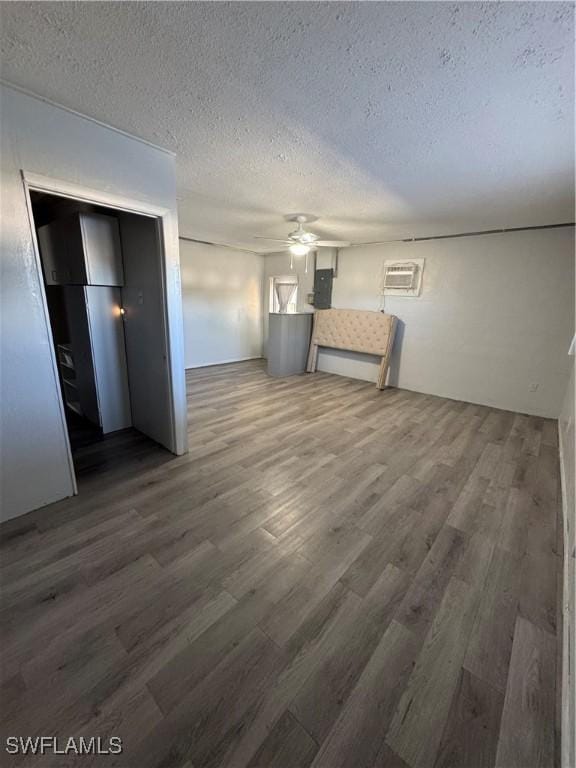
(384, 242)
(271, 239)
(332, 243)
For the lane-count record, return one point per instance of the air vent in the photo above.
(402, 278)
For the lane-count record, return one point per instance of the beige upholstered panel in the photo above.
(356, 330)
(353, 329)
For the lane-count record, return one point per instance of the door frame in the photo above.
(34, 182)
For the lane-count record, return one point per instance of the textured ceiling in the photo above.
(384, 119)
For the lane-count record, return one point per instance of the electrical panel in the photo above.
(323, 288)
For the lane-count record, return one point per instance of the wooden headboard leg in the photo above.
(312, 358)
(382, 373)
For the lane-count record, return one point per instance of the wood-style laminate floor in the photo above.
(333, 576)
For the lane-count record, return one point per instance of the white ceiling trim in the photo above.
(109, 127)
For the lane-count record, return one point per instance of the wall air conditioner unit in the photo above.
(402, 278)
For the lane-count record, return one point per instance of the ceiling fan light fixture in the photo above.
(299, 249)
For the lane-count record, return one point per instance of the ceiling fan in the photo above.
(300, 242)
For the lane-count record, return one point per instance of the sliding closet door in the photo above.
(103, 304)
(145, 329)
(84, 376)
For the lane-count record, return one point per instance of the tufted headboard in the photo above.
(355, 330)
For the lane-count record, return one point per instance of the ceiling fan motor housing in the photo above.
(303, 238)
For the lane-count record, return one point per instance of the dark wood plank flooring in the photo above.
(333, 577)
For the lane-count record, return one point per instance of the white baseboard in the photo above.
(568, 698)
(223, 362)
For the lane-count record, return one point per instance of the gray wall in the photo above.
(568, 462)
(221, 301)
(44, 139)
(494, 319)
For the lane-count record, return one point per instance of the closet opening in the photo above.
(103, 278)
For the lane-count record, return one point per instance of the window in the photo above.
(284, 291)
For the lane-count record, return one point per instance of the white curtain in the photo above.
(284, 292)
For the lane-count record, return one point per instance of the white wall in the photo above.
(221, 300)
(494, 317)
(45, 139)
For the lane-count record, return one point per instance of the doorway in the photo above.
(104, 285)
